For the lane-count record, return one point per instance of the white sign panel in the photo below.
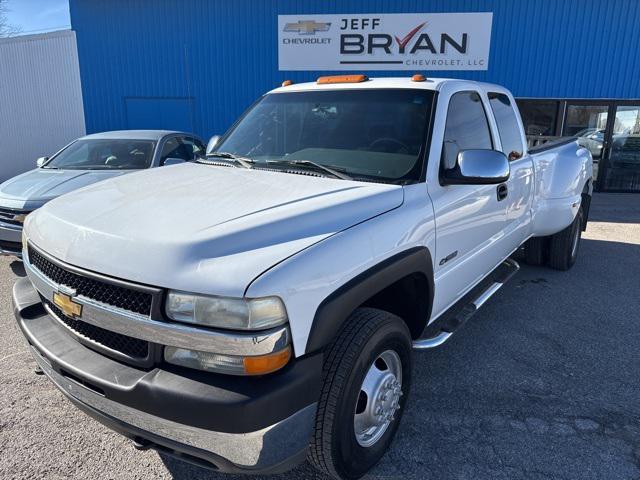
(399, 41)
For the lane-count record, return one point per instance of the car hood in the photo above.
(201, 228)
(32, 189)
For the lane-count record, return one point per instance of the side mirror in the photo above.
(41, 161)
(172, 161)
(213, 141)
(478, 167)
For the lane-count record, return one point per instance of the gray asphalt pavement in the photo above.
(541, 384)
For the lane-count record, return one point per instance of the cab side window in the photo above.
(508, 126)
(176, 147)
(467, 127)
(195, 146)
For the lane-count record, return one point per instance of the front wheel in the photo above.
(366, 380)
(564, 245)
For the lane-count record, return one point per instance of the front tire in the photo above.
(366, 381)
(564, 245)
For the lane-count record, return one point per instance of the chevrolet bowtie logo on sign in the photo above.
(394, 41)
(65, 303)
(307, 27)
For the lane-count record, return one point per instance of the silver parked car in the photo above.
(84, 161)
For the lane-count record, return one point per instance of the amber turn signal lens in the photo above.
(418, 78)
(286, 83)
(264, 364)
(342, 79)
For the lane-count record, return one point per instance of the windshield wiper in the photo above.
(333, 171)
(245, 162)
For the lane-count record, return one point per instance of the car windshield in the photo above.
(104, 154)
(367, 134)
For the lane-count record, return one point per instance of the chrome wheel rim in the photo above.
(378, 399)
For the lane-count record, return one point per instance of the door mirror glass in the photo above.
(41, 161)
(478, 167)
(213, 142)
(172, 161)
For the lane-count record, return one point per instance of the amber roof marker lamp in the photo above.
(286, 83)
(342, 79)
(418, 77)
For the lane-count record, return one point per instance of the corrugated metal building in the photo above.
(197, 64)
(41, 106)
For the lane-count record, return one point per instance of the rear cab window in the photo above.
(508, 125)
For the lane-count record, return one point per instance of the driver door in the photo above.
(470, 219)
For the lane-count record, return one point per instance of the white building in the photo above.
(41, 107)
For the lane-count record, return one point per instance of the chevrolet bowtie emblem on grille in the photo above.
(307, 27)
(65, 303)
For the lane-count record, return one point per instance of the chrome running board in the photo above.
(468, 306)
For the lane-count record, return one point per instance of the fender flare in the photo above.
(336, 308)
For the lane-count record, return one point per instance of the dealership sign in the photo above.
(412, 41)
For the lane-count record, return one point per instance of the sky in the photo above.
(37, 16)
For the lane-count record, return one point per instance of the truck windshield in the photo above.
(104, 154)
(373, 135)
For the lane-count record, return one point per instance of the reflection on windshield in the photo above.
(368, 134)
(105, 154)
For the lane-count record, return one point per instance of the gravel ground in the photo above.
(541, 384)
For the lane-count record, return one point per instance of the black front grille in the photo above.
(7, 216)
(114, 295)
(128, 346)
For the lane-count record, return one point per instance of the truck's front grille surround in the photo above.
(128, 299)
(130, 347)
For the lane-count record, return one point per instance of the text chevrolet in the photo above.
(261, 304)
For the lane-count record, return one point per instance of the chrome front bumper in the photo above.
(232, 424)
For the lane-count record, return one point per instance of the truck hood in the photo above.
(32, 189)
(201, 228)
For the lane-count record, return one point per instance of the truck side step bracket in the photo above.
(443, 328)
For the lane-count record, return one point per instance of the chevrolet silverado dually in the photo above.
(261, 305)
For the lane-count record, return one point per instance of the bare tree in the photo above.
(6, 28)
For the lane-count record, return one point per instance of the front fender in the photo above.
(315, 282)
(336, 308)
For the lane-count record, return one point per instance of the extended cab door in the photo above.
(519, 187)
(470, 219)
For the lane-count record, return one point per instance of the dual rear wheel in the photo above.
(559, 251)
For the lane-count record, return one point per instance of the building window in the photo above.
(539, 117)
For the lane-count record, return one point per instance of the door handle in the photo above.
(502, 191)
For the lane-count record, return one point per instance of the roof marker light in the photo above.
(418, 77)
(342, 79)
(286, 83)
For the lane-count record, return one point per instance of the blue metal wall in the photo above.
(216, 56)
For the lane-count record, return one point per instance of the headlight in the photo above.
(225, 312)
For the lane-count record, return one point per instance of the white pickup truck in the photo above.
(261, 305)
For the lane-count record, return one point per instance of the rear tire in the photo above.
(372, 345)
(535, 251)
(564, 245)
